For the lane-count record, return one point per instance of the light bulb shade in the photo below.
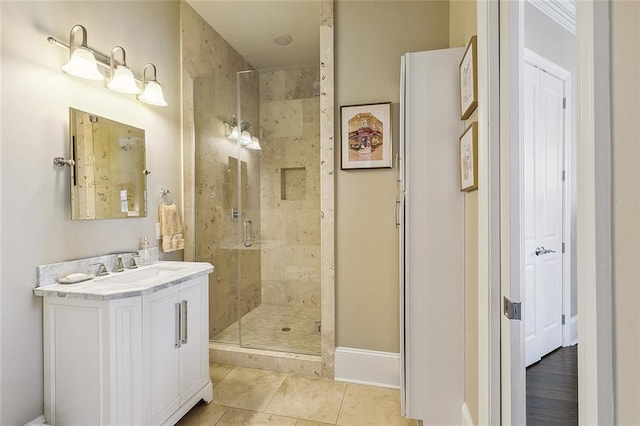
(153, 94)
(245, 137)
(123, 81)
(255, 144)
(233, 134)
(83, 64)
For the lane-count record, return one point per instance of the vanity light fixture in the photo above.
(122, 79)
(246, 140)
(231, 131)
(152, 93)
(82, 62)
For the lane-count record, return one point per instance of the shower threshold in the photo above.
(286, 362)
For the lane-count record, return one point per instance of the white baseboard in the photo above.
(466, 416)
(37, 421)
(571, 330)
(368, 367)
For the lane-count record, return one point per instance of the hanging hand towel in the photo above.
(170, 228)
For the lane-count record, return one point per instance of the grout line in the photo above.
(223, 414)
(226, 374)
(341, 403)
(275, 393)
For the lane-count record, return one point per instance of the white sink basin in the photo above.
(139, 275)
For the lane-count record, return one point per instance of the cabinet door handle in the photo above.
(184, 322)
(178, 325)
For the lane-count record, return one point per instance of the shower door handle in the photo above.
(248, 233)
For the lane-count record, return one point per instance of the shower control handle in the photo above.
(248, 233)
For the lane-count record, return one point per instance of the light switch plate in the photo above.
(158, 231)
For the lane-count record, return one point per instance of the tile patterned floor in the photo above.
(262, 328)
(246, 396)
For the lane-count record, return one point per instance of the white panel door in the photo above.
(543, 212)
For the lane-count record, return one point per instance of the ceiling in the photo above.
(251, 26)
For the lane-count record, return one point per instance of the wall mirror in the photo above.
(231, 185)
(108, 179)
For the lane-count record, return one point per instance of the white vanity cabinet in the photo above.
(92, 361)
(140, 357)
(175, 349)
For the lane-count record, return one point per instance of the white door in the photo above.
(542, 212)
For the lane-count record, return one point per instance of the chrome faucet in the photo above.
(102, 270)
(119, 265)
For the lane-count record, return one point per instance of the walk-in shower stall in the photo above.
(254, 140)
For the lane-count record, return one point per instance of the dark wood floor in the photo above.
(552, 389)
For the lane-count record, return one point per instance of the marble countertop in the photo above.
(129, 283)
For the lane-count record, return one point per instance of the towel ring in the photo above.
(166, 197)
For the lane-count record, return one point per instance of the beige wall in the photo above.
(462, 26)
(625, 104)
(36, 208)
(369, 43)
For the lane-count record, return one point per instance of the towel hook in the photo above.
(166, 197)
(61, 162)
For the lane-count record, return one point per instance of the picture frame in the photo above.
(469, 79)
(366, 136)
(469, 158)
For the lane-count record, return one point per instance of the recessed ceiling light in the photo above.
(283, 40)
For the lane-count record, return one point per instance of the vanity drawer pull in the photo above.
(178, 324)
(184, 322)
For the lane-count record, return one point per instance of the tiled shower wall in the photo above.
(290, 186)
(209, 68)
(282, 192)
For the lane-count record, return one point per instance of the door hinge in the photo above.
(564, 176)
(563, 247)
(512, 310)
(563, 319)
(564, 103)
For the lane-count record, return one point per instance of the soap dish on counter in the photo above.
(75, 278)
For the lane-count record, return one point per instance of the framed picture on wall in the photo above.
(366, 136)
(469, 80)
(469, 158)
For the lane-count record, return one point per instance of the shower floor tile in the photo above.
(266, 326)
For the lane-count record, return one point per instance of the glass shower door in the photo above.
(265, 292)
